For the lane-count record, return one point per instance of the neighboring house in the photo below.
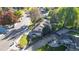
(37, 31)
(62, 31)
(42, 25)
(63, 40)
(54, 44)
(34, 34)
(55, 41)
(66, 39)
(76, 40)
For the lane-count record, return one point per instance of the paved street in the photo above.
(5, 44)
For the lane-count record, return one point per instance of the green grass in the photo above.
(49, 48)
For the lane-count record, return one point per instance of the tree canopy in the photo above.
(65, 17)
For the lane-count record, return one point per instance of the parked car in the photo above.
(3, 30)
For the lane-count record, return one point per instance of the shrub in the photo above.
(18, 13)
(23, 41)
(49, 48)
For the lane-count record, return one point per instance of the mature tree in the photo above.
(65, 17)
(46, 30)
(35, 14)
